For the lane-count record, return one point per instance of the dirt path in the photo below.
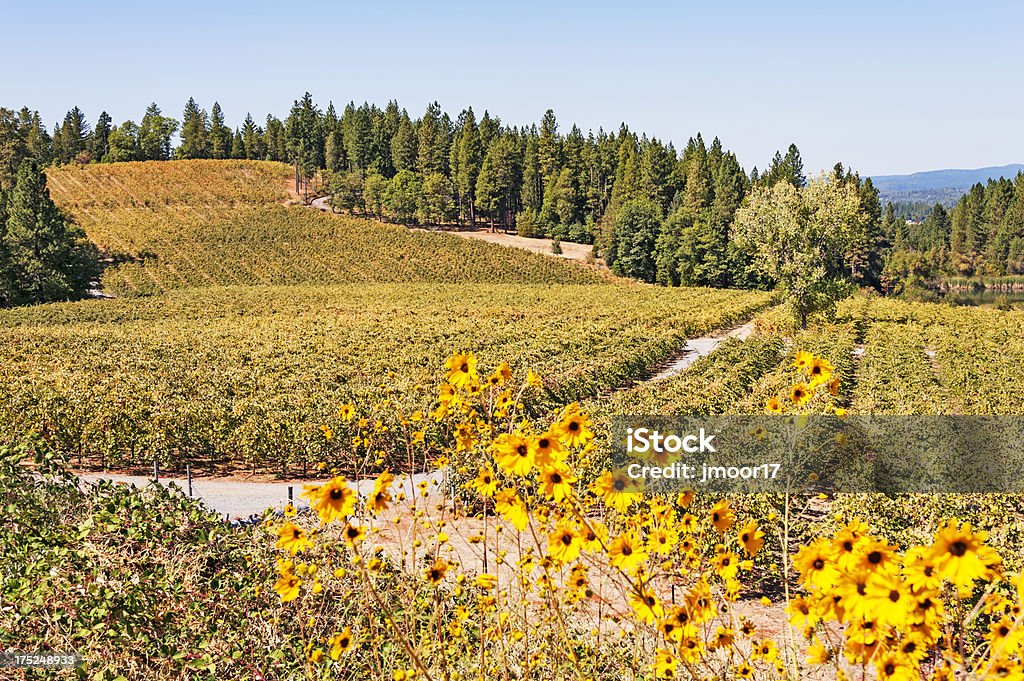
(242, 499)
(570, 251)
(700, 347)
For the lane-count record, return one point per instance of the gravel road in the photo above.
(239, 499)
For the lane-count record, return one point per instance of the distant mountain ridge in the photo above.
(938, 186)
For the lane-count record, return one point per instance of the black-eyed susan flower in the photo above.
(722, 516)
(616, 490)
(626, 552)
(341, 643)
(751, 538)
(547, 450)
(815, 564)
(799, 394)
(646, 605)
(564, 544)
(802, 359)
(574, 427)
(819, 371)
(353, 534)
(333, 500)
(461, 370)
(512, 452)
(436, 573)
(511, 507)
(380, 497)
(961, 555)
(292, 538)
(485, 483)
(287, 586)
(665, 664)
(556, 481)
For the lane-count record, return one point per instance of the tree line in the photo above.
(982, 235)
(653, 212)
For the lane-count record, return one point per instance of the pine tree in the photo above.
(404, 145)
(220, 134)
(74, 136)
(195, 132)
(357, 131)
(305, 142)
(252, 139)
(237, 145)
(532, 194)
(431, 151)
(46, 257)
(470, 160)
(101, 137)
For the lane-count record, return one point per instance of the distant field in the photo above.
(248, 374)
(186, 224)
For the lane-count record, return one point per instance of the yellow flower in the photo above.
(556, 482)
(461, 370)
(613, 488)
(593, 535)
(920, 570)
(511, 508)
(354, 533)
(665, 664)
(333, 500)
(533, 379)
(287, 586)
(347, 411)
(486, 581)
(892, 666)
(626, 552)
(546, 449)
(436, 572)
(800, 394)
(819, 371)
(465, 437)
(751, 537)
(889, 599)
(573, 428)
(722, 516)
(961, 554)
(764, 650)
(485, 484)
(292, 538)
(380, 497)
(328, 433)
(684, 498)
(773, 406)
(814, 563)
(802, 359)
(646, 605)
(341, 643)
(818, 653)
(564, 544)
(726, 563)
(513, 454)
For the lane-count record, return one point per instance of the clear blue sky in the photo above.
(885, 87)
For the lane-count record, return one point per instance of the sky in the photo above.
(884, 87)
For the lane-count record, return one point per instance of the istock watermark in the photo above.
(865, 453)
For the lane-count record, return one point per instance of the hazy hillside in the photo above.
(938, 186)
